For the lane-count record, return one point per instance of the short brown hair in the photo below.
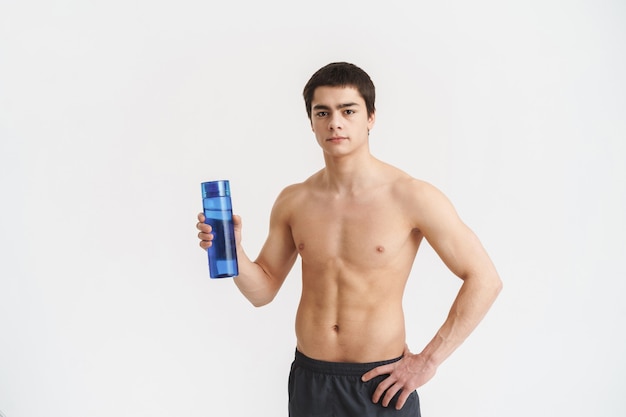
(341, 74)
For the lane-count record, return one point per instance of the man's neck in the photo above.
(350, 174)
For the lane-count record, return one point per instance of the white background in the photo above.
(113, 112)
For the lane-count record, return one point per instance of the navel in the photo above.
(336, 328)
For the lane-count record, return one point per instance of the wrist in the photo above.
(437, 351)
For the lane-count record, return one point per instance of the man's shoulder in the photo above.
(406, 184)
(416, 193)
(291, 198)
(294, 193)
(299, 188)
(291, 191)
(402, 179)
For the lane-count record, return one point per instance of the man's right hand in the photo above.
(205, 231)
(205, 234)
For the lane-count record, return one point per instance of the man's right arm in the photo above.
(260, 280)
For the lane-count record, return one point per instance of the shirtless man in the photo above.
(357, 225)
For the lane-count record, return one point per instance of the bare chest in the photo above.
(366, 234)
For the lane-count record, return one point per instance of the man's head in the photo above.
(341, 74)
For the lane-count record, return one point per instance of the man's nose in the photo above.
(335, 121)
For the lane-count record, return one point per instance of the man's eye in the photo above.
(348, 111)
(322, 114)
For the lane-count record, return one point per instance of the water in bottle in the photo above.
(218, 213)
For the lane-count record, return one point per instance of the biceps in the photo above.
(460, 249)
(278, 254)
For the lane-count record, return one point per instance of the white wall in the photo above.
(112, 113)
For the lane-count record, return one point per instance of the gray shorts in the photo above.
(334, 389)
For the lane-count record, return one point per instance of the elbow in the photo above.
(261, 301)
(496, 286)
(489, 283)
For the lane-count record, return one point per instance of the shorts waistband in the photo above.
(338, 368)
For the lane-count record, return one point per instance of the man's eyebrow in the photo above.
(340, 106)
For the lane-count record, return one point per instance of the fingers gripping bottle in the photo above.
(218, 213)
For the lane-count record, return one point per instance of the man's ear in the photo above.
(371, 119)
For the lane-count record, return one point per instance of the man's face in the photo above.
(339, 119)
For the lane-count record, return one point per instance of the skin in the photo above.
(357, 225)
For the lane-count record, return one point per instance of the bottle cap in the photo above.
(219, 188)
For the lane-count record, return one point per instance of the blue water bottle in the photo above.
(219, 214)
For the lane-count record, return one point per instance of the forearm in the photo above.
(474, 299)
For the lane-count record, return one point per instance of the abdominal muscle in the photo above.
(350, 318)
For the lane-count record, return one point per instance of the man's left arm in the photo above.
(460, 249)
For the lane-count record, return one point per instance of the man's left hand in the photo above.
(405, 375)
